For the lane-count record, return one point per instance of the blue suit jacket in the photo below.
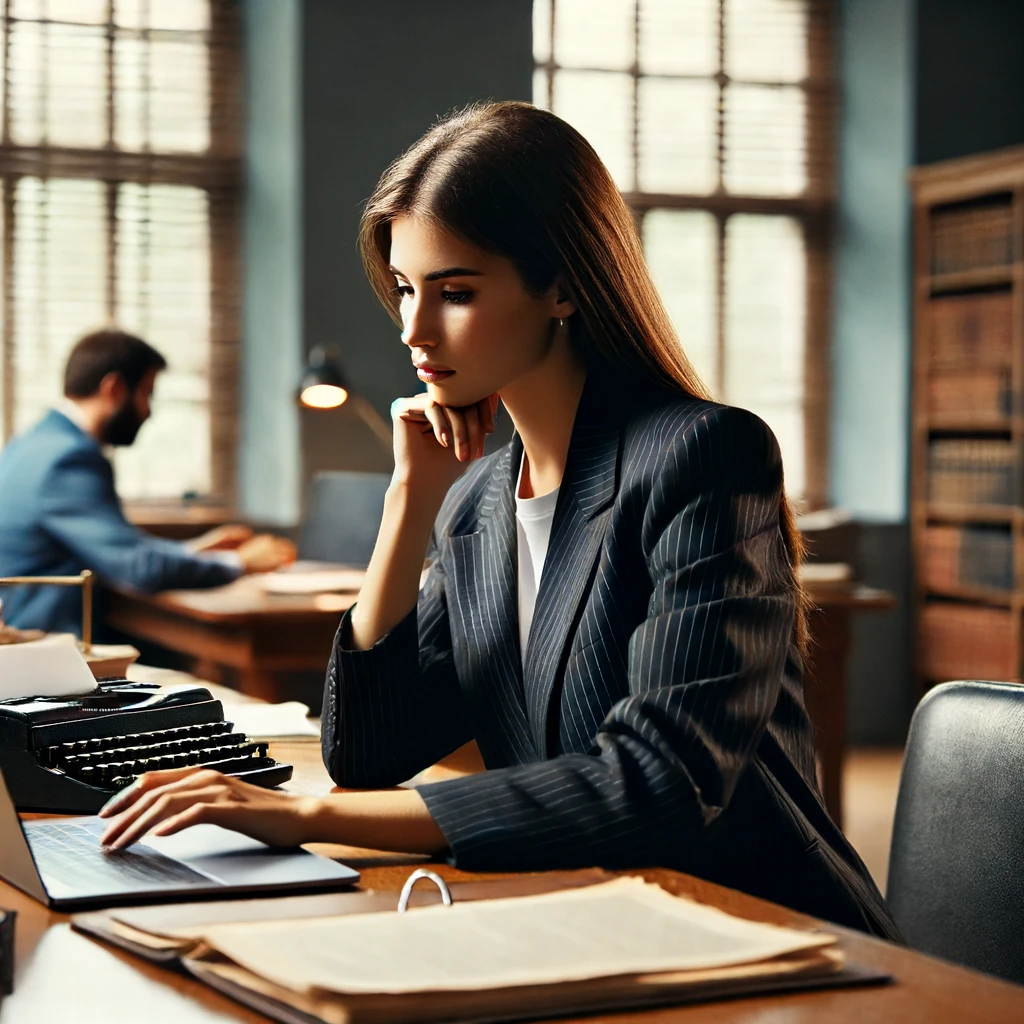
(658, 716)
(60, 514)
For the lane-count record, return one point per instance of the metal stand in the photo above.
(85, 580)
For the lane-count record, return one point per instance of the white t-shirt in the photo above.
(533, 528)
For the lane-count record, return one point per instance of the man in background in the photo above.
(60, 513)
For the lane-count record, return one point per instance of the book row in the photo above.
(971, 394)
(973, 472)
(969, 237)
(971, 331)
(968, 556)
(959, 641)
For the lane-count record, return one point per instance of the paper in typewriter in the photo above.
(624, 927)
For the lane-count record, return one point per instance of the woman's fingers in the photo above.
(468, 433)
(145, 784)
(147, 789)
(438, 420)
(461, 429)
(197, 814)
(154, 808)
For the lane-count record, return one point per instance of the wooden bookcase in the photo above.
(967, 437)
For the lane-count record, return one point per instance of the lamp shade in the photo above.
(323, 385)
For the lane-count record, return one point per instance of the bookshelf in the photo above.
(967, 436)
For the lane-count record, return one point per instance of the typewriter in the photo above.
(72, 754)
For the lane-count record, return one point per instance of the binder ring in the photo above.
(403, 899)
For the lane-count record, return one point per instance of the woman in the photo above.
(637, 702)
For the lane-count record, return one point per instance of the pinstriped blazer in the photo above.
(658, 715)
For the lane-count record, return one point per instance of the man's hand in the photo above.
(265, 553)
(221, 538)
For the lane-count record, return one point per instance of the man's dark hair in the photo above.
(108, 351)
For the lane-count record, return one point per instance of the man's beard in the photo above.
(122, 428)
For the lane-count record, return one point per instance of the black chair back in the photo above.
(342, 517)
(956, 869)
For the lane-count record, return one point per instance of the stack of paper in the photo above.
(261, 721)
(616, 944)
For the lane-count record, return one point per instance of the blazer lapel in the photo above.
(484, 567)
(577, 532)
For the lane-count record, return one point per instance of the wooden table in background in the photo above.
(240, 627)
(179, 521)
(261, 635)
(825, 676)
(63, 976)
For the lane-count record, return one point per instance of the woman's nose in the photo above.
(416, 330)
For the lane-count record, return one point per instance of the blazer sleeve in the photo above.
(81, 510)
(395, 709)
(704, 674)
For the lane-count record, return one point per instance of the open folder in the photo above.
(583, 943)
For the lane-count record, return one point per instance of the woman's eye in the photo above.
(456, 296)
(402, 290)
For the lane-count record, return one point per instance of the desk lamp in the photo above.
(324, 386)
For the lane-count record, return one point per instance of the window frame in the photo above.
(814, 211)
(217, 172)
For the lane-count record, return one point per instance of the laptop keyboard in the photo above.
(71, 855)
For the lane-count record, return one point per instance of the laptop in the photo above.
(60, 862)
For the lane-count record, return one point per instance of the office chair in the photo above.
(956, 882)
(342, 517)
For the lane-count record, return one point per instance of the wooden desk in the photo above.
(261, 635)
(62, 976)
(240, 627)
(177, 521)
(825, 677)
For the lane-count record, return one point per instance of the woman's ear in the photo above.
(563, 303)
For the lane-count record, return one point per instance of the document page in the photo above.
(623, 927)
(51, 667)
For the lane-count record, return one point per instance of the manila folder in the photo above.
(621, 943)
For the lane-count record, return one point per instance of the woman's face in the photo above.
(471, 326)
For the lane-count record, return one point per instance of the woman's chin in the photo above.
(451, 394)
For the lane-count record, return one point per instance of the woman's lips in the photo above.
(429, 375)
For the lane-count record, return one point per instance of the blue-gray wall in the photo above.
(871, 324)
(269, 466)
(871, 334)
(335, 91)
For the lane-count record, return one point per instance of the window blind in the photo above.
(119, 178)
(715, 119)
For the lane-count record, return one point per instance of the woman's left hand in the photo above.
(169, 801)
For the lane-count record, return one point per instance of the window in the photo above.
(119, 189)
(714, 118)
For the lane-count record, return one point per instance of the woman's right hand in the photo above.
(434, 443)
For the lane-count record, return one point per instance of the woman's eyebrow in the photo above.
(437, 275)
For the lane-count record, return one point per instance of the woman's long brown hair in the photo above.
(520, 182)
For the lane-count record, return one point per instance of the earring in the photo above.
(561, 322)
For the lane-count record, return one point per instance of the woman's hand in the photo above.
(433, 443)
(168, 801)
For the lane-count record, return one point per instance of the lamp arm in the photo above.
(373, 420)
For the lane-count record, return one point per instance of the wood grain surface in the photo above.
(65, 977)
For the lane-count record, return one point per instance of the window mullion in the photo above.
(111, 111)
(636, 95)
(7, 338)
(111, 230)
(720, 79)
(721, 221)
